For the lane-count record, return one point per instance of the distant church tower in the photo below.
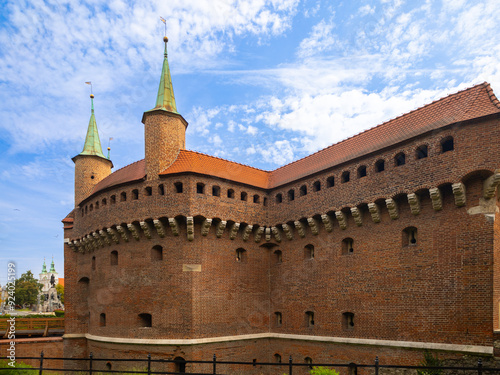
(164, 128)
(91, 166)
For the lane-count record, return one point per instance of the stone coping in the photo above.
(472, 349)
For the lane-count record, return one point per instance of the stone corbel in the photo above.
(374, 211)
(190, 228)
(327, 222)
(288, 231)
(459, 193)
(437, 201)
(414, 202)
(133, 229)
(268, 234)
(146, 229)
(490, 185)
(205, 228)
(91, 242)
(174, 226)
(122, 232)
(97, 239)
(300, 228)
(258, 234)
(313, 225)
(247, 231)
(276, 234)
(160, 229)
(72, 246)
(234, 231)
(357, 216)
(392, 207)
(105, 237)
(341, 219)
(81, 246)
(113, 234)
(220, 228)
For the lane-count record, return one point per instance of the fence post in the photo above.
(479, 366)
(290, 366)
(90, 363)
(149, 364)
(41, 364)
(215, 365)
(376, 365)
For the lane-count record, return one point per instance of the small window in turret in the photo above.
(148, 191)
(422, 152)
(380, 166)
(178, 187)
(91, 207)
(279, 198)
(200, 188)
(346, 176)
(330, 181)
(113, 199)
(123, 196)
(244, 196)
(291, 195)
(216, 191)
(135, 194)
(104, 201)
(316, 186)
(102, 320)
(97, 205)
(230, 193)
(256, 199)
(400, 159)
(161, 189)
(114, 258)
(447, 144)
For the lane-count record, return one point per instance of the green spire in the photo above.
(166, 99)
(92, 144)
(44, 267)
(52, 268)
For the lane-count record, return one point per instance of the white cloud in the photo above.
(252, 130)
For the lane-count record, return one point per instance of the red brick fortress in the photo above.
(383, 244)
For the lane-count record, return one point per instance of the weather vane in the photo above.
(90, 83)
(165, 23)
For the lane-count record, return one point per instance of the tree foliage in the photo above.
(27, 289)
(60, 292)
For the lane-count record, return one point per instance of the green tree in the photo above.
(60, 292)
(27, 289)
(319, 370)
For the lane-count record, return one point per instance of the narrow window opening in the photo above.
(278, 256)
(86, 210)
(148, 191)
(400, 159)
(309, 252)
(362, 171)
(303, 190)
(114, 258)
(240, 255)
(200, 188)
(447, 144)
(97, 205)
(330, 182)
(316, 186)
(156, 253)
(108, 366)
(278, 318)
(104, 201)
(291, 195)
(310, 318)
(409, 236)
(254, 362)
(256, 199)
(179, 187)
(265, 202)
(353, 369)
(230, 193)
(93, 263)
(216, 191)
(347, 246)
(277, 358)
(422, 152)
(279, 198)
(308, 361)
(91, 207)
(161, 189)
(135, 194)
(123, 196)
(346, 176)
(113, 199)
(380, 166)
(180, 365)
(348, 320)
(102, 320)
(145, 320)
(244, 196)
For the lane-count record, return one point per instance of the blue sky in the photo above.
(261, 82)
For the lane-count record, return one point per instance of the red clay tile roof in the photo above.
(60, 281)
(195, 162)
(132, 172)
(474, 102)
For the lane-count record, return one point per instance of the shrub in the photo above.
(59, 313)
(430, 360)
(319, 370)
(5, 365)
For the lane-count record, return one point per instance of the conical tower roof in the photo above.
(92, 144)
(52, 267)
(44, 267)
(165, 99)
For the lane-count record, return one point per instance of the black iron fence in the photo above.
(93, 366)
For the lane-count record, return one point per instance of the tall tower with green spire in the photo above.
(164, 127)
(91, 166)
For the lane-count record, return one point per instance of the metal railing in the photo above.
(41, 326)
(89, 366)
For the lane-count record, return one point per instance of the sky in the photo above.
(260, 82)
